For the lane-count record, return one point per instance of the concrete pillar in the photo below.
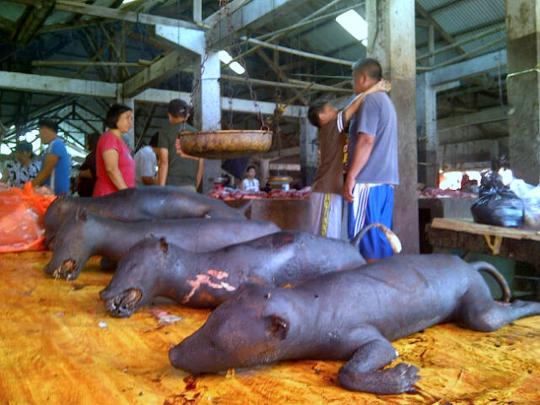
(197, 11)
(264, 169)
(308, 151)
(426, 127)
(391, 40)
(208, 101)
(523, 84)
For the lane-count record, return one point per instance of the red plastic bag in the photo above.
(21, 219)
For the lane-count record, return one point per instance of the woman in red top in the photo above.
(115, 167)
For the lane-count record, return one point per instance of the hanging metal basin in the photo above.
(225, 144)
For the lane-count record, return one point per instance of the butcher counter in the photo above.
(59, 346)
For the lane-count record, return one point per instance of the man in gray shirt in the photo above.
(175, 167)
(373, 162)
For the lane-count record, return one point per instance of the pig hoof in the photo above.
(66, 271)
(405, 376)
(395, 380)
(124, 304)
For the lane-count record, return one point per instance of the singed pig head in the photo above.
(62, 209)
(249, 329)
(135, 279)
(72, 247)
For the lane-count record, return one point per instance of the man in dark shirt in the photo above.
(326, 200)
(175, 167)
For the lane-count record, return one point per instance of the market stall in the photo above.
(60, 346)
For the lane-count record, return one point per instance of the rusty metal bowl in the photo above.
(225, 144)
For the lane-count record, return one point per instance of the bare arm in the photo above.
(200, 173)
(163, 167)
(355, 104)
(361, 154)
(110, 158)
(48, 166)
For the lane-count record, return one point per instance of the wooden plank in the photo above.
(54, 351)
(523, 250)
(468, 226)
(158, 71)
(122, 15)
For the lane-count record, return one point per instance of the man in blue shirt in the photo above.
(56, 165)
(373, 162)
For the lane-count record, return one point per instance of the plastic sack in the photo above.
(21, 219)
(497, 204)
(531, 200)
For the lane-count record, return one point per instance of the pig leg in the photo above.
(479, 311)
(362, 372)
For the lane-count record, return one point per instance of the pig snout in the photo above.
(180, 358)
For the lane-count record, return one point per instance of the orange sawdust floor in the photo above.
(57, 345)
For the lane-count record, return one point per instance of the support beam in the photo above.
(121, 15)
(468, 68)
(239, 15)
(280, 74)
(31, 21)
(298, 52)
(158, 71)
(485, 116)
(197, 11)
(293, 84)
(278, 35)
(523, 83)
(84, 63)
(493, 30)
(391, 40)
(56, 85)
(159, 96)
(87, 123)
(59, 85)
(190, 39)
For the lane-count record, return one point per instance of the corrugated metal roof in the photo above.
(465, 15)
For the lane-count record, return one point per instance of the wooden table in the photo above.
(518, 244)
(440, 207)
(59, 346)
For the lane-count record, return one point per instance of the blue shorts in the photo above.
(372, 204)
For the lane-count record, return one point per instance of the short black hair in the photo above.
(114, 114)
(178, 108)
(314, 110)
(369, 66)
(48, 123)
(250, 167)
(154, 140)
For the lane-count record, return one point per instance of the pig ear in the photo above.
(277, 326)
(163, 245)
(81, 214)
